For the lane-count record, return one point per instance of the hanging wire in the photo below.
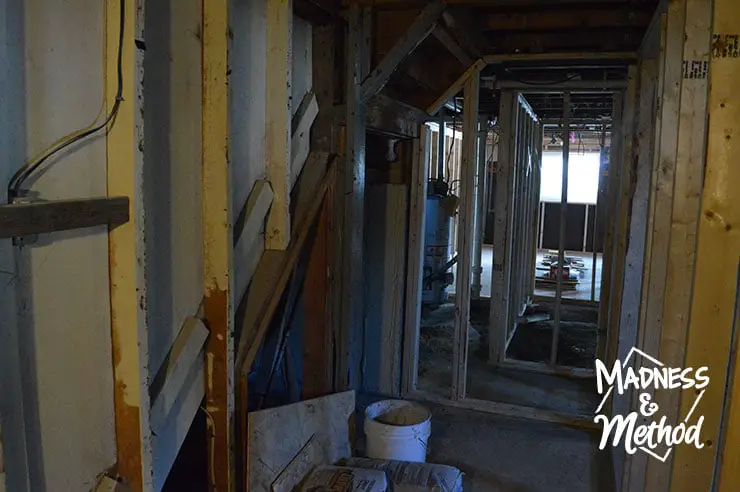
(22, 174)
(452, 142)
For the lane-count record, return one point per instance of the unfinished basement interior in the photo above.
(369, 245)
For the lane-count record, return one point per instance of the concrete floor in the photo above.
(505, 454)
(583, 291)
(501, 454)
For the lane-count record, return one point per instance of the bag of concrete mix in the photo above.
(345, 479)
(405, 476)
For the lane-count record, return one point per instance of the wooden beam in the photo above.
(126, 250)
(417, 32)
(452, 46)
(567, 56)
(456, 86)
(277, 121)
(351, 207)
(23, 219)
(300, 140)
(499, 314)
(576, 39)
(713, 325)
(620, 219)
(248, 231)
(218, 307)
(466, 236)
(397, 4)
(415, 260)
(552, 19)
(686, 209)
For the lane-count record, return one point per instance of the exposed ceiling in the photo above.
(469, 29)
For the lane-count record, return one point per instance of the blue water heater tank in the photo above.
(436, 251)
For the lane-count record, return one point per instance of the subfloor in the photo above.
(505, 454)
(531, 342)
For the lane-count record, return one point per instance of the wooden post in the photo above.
(620, 217)
(715, 290)
(217, 249)
(561, 237)
(353, 196)
(499, 316)
(689, 172)
(605, 340)
(466, 233)
(126, 250)
(277, 121)
(415, 270)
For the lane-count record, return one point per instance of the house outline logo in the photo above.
(643, 381)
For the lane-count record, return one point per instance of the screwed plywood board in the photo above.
(277, 435)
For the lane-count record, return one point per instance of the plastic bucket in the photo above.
(397, 430)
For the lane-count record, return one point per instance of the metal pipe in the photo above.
(563, 218)
(441, 151)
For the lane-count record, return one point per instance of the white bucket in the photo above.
(397, 430)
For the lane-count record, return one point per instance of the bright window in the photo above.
(583, 177)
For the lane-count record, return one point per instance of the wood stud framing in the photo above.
(715, 289)
(352, 209)
(415, 257)
(497, 332)
(218, 304)
(126, 250)
(466, 233)
(517, 179)
(688, 177)
(417, 32)
(278, 121)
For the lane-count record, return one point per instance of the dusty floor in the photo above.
(499, 454)
(531, 343)
(505, 454)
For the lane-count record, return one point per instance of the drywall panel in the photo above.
(12, 142)
(62, 291)
(172, 171)
(248, 62)
(301, 73)
(277, 435)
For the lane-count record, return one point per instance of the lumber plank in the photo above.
(126, 251)
(278, 120)
(248, 232)
(218, 302)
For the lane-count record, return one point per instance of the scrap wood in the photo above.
(270, 279)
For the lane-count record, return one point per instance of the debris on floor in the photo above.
(306, 447)
(345, 479)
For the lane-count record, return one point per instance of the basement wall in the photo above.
(55, 353)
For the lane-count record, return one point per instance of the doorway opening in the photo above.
(538, 253)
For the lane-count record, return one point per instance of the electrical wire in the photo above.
(452, 142)
(20, 176)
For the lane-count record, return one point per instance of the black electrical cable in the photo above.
(452, 142)
(24, 172)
